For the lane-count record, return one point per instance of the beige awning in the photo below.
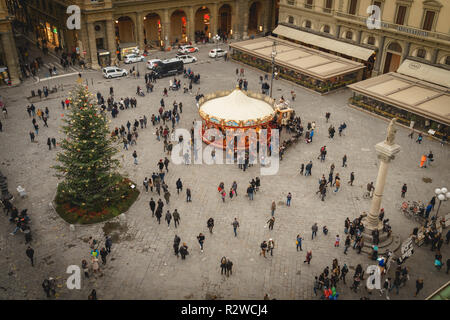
(324, 42)
(411, 94)
(425, 72)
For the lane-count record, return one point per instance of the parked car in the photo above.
(130, 58)
(151, 64)
(113, 72)
(187, 49)
(186, 58)
(217, 53)
(169, 67)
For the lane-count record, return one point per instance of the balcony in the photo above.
(406, 30)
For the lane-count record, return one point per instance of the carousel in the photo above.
(236, 111)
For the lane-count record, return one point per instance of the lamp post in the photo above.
(442, 195)
(273, 54)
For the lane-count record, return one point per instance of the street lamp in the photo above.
(442, 195)
(273, 54)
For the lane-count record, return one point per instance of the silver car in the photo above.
(113, 72)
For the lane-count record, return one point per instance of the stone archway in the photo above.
(125, 30)
(224, 26)
(178, 26)
(202, 26)
(255, 18)
(393, 57)
(152, 30)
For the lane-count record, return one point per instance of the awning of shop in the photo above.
(425, 72)
(411, 94)
(324, 42)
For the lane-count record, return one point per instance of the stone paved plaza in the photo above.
(142, 264)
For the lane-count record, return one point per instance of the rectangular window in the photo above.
(309, 4)
(428, 21)
(401, 14)
(352, 6)
(328, 5)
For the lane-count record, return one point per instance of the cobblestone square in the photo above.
(142, 264)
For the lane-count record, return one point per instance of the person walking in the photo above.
(176, 218)
(404, 189)
(263, 249)
(352, 178)
(235, 225)
(271, 222)
(158, 214)
(270, 246)
(179, 185)
(344, 161)
(85, 267)
(337, 241)
(229, 267)
(168, 218)
(308, 257)
(108, 244)
(347, 243)
(298, 242)
(152, 205)
(188, 195)
(419, 138)
(49, 143)
(103, 254)
(176, 244)
(273, 207)
(419, 286)
(223, 265)
(201, 240)
(184, 251)
(210, 225)
(145, 183)
(30, 254)
(167, 196)
(314, 229)
(135, 157)
(385, 288)
(288, 199)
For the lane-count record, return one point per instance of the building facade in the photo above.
(111, 27)
(9, 63)
(414, 29)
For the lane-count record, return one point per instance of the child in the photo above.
(336, 243)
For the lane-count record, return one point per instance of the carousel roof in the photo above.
(237, 107)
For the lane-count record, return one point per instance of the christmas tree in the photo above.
(87, 161)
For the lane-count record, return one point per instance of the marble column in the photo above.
(92, 46)
(267, 17)
(235, 21)
(191, 24)
(214, 19)
(9, 48)
(111, 38)
(386, 152)
(245, 9)
(140, 30)
(165, 33)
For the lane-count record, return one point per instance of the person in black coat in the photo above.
(152, 206)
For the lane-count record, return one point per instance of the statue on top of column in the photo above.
(391, 132)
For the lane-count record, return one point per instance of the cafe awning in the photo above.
(425, 72)
(324, 42)
(408, 93)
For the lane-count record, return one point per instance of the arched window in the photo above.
(307, 24)
(291, 19)
(326, 28)
(421, 53)
(371, 41)
(349, 35)
(447, 60)
(394, 46)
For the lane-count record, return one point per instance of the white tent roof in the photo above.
(425, 72)
(324, 42)
(237, 106)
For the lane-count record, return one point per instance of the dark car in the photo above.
(169, 68)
